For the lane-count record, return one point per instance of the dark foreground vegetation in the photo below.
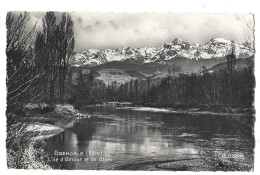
(37, 65)
(39, 72)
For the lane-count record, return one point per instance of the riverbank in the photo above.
(40, 121)
(181, 108)
(193, 111)
(205, 164)
(31, 124)
(193, 164)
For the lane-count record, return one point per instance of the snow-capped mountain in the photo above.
(219, 48)
(91, 57)
(216, 48)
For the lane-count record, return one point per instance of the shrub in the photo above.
(27, 158)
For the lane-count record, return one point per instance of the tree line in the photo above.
(222, 87)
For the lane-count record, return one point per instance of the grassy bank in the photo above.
(27, 127)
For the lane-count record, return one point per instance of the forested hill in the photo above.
(222, 86)
(239, 64)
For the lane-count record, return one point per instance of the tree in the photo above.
(66, 45)
(45, 50)
(173, 70)
(203, 70)
(54, 48)
(231, 58)
(22, 74)
(23, 77)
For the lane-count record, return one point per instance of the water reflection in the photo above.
(133, 136)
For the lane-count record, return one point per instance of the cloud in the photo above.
(88, 28)
(114, 30)
(79, 20)
(113, 24)
(152, 29)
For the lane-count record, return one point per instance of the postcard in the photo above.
(130, 91)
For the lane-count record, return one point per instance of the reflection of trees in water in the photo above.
(84, 130)
(179, 128)
(74, 139)
(211, 132)
(206, 125)
(66, 122)
(58, 143)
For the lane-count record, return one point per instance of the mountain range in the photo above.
(128, 63)
(216, 48)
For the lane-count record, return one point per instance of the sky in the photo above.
(102, 31)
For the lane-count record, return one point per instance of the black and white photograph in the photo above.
(147, 91)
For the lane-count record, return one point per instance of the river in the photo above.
(136, 140)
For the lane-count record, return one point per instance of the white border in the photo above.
(192, 6)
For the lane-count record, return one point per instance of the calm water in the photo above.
(124, 137)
